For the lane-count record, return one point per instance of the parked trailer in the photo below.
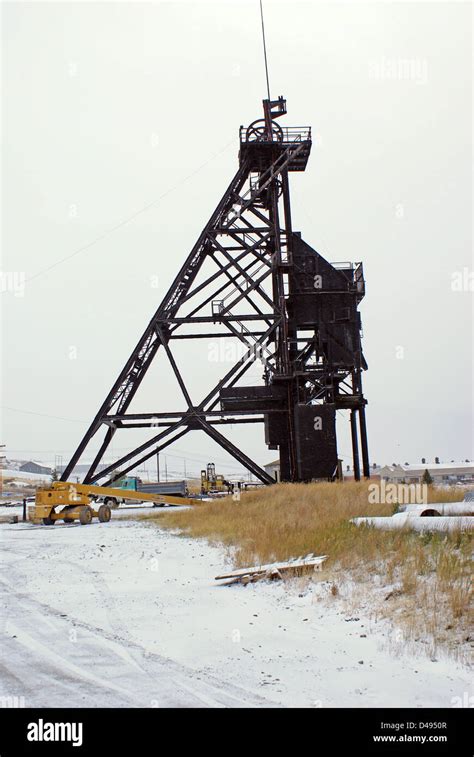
(135, 484)
(63, 500)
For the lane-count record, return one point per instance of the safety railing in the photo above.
(288, 134)
(354, 272)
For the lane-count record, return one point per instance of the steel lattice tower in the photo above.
(291, 309)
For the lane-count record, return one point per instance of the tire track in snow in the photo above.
(167, 682)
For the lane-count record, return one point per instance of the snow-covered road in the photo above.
(125, 614)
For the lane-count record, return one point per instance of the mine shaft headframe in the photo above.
(264, 139)
(264, 294)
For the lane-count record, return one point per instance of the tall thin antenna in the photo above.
(265, 50)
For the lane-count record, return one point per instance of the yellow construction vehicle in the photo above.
(65, 501)
(213, 483)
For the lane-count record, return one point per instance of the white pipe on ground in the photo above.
(439, 508)
(404, 520)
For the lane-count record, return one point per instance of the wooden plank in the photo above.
(308, 562)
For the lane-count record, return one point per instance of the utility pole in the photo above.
(157, 466)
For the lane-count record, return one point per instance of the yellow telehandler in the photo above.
(66, 501)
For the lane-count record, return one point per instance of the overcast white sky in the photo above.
(108, 107)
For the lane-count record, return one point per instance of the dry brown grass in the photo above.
(289, 520)
(281, 521)
(431, 572)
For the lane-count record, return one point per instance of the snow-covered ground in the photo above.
(126, 614)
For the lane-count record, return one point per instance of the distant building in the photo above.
(32, 467)
(441, 473)
(348, 473)
(273, 469)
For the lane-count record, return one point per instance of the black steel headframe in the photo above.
(288, 307)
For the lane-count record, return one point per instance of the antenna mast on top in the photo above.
(265, 50)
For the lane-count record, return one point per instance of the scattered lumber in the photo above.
(274, 571)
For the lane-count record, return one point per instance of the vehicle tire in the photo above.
(111, 502)
(85, 515)
(66, 517)
(105, 513)
(48, 521)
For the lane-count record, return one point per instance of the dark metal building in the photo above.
(251, 277)
(32, 467)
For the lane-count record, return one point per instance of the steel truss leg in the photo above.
(363, 443)
(355, 446)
